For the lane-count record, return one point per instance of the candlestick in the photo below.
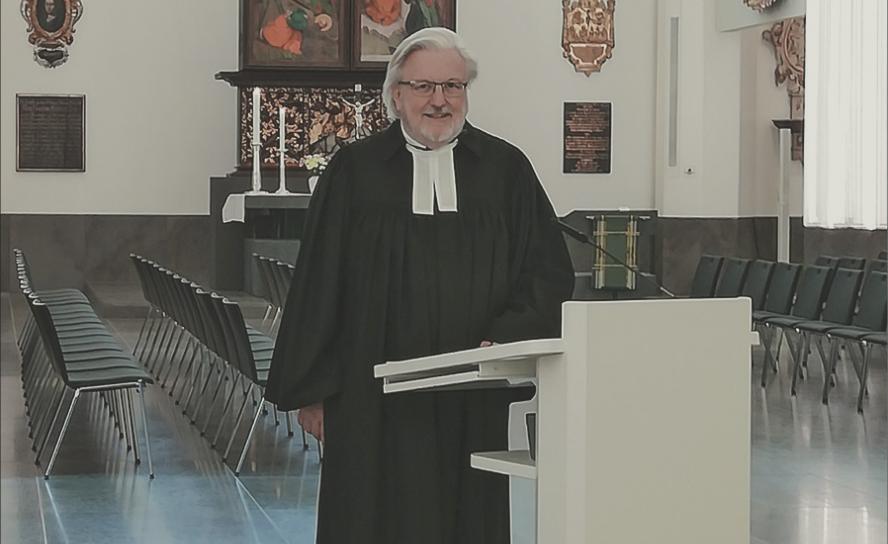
(256, 143)
(257, 100)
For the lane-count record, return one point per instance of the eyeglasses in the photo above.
(422, 87)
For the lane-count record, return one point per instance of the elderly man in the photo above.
(429, 237)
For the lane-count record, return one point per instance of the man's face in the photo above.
(49, 6)
(436, 119)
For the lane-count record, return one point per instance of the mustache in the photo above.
(437, 110)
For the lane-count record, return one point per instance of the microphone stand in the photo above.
(583, 238)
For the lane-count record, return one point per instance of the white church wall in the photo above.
(524, 81)
(701, 177)
(763, 101)
(157, 123)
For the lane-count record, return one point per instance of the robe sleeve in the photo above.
(542, 272)
(305, 368)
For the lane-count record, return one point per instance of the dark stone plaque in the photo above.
(587, 137)
(50, 133)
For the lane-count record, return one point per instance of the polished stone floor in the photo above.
(819, 474)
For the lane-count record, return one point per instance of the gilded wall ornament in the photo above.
(587, 36)
(788, 39)
(51, 28)
(760, 5)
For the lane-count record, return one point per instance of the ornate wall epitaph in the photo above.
(51, 28)
(587, 137)
(760, 5)
(788, 39)
(587, 36)
(50, 135)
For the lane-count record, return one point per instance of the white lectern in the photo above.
(643, 430)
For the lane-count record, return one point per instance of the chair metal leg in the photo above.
(225, 411)
(186, 368)
(55, 451)
(145, 429)
(829, 369)
(131, 423)
(219, 386)
(799, 359)
(265, 317)
(243, 455)
(240, 416)
(289, 424)
(153, 357)
(55, 418)
(768, 337)
(119, 416)
(173, 361)
(776, 359)
(127, 420)
(139, 348)
(141, 331)
(201, 391)
(867, 353)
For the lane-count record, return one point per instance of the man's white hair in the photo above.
(427, 38)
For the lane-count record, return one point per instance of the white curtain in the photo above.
(846, 118)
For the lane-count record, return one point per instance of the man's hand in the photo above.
(311, 418)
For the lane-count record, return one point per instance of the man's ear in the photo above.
(396, 97)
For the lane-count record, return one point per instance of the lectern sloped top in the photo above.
(499, 365)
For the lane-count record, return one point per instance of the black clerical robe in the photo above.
(374, 282)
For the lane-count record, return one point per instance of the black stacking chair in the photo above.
(838, 311)
(706, 276)
(268, 287)
(732, 278)
(757, 280)
(778, 301)
(827, 261)
(870, 320)
(851, 263)
(92, 374)
(877, 266)
(808, 304)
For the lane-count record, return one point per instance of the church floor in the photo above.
(819, 475)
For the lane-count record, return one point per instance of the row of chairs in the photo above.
(717, 276)
(275, 276)
(841, 305)
(65, 347)
(199, 339)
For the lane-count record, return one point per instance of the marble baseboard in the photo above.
(72, 250)
(684, 240)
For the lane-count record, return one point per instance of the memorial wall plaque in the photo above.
(587, 137)
(50, 133)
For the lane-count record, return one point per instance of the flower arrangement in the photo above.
(315, 163)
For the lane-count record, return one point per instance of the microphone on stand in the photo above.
(583, 238)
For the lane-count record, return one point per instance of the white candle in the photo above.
(282, 136)
(282, 124)
(257, 100)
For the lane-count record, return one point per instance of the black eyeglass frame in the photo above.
(456, 89)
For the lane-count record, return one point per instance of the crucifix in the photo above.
(360, 131)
